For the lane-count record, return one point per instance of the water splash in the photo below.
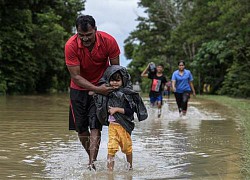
(159, 145)
(170, 112)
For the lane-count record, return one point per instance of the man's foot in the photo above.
(91, 167)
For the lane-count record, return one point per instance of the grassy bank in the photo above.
(241, 107)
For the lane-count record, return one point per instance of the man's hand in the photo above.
(104, 89)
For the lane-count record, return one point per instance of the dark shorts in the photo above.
(82, 112)
(155, 99)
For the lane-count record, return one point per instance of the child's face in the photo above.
(159, 69)
(115, 83)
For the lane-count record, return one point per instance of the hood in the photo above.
(126, 79)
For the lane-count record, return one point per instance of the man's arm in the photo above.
(115, 61)
(82, 82)
(127, 110)
(144, 73)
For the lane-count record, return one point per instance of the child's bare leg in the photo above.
(130, 160)
(159, 109)
(111, 162)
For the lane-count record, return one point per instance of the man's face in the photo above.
(87, 37)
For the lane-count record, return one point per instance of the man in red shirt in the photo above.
(88, 54)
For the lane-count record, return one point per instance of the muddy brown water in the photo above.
(36, 144)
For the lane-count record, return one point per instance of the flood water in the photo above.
(36, 144)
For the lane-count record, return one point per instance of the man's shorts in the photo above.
(82, 111)
(119, 137)
(155, 99)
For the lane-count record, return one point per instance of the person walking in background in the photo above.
(182, 86)
(157, 85)
(118, 109)
(88, 54)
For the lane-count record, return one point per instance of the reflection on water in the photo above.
(36, 143)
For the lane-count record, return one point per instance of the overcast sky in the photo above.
(116, 17)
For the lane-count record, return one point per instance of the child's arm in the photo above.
(113, 110)
(127, 110)
(144, 73)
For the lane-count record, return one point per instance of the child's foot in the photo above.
(159, 113)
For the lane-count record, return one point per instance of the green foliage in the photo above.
(237, 80)
(3, 84)
(50, 53)
(148, 43)
(17, 63)
(32, 38)
(211, 63)
(211, 36)
(145, 85)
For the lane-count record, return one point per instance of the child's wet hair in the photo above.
(116, 76)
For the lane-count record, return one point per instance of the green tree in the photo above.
(211, 36)
(32, 38)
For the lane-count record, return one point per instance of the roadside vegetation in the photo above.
(211, 36)
(242, 108)
(32, 38)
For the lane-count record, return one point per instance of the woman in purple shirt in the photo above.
(182, 85)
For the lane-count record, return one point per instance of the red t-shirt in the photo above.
(92, 64)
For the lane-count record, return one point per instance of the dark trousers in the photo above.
(182, 100)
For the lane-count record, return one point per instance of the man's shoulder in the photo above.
(72, 40)
(104, 35)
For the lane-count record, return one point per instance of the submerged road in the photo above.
(36, 143)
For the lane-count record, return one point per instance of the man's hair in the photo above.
(116, 76)
(83, 21)
(181, 61)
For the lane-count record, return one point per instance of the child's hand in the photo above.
(91, 93)
(112, 110)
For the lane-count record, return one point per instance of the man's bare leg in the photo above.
(84, 138)
(95, 139)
